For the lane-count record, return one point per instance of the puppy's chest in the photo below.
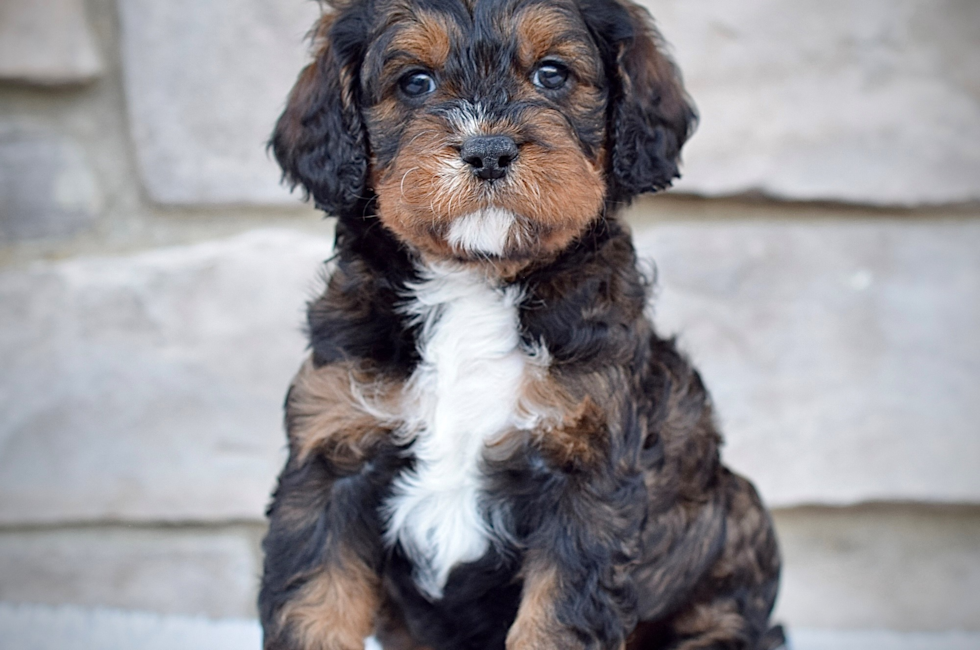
(463, 395)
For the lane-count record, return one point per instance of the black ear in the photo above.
(319, 139)
(650, 114)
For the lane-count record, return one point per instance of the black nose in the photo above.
(489, 155)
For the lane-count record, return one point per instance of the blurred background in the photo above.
(820, 262)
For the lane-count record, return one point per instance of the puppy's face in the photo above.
(486, 128)
(483, 130)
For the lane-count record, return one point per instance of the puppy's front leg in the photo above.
(578, 593)
(330, 606)
(537, 626)
(320, 588)
(570, 609)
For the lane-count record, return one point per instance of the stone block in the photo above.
(169, 571)
(842, 355)
(867, 102)
(871, 102)
(205, 82)
(47, 187)
(881, 567)
(149, 387)
(34, 627)
(47, 42)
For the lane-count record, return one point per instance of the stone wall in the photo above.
(819, 261)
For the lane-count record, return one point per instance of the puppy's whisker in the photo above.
(401, 185)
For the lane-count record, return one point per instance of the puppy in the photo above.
(490, 447)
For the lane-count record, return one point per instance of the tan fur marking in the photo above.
(339, 409)
(536, 627)
(542, 30)
(573, 434)
(427, 38)
(335, 609)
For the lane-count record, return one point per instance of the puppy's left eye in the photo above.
(550, 76)
(416, 84)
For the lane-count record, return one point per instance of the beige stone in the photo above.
(170, 571)
(869, 102)
(205, 82)
(47, 42)
(842, 355)
(47, 186)
(880, 567)
(149, 387)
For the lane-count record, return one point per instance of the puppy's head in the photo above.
(483, 129)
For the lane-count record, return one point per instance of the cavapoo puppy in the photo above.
(490, 447)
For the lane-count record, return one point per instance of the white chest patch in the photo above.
(463, 395)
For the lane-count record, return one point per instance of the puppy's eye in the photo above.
(416, 84)
(550, 76)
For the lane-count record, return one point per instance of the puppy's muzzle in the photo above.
(489, 156)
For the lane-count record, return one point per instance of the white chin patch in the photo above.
(485, 231)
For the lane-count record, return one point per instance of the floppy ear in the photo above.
(650, 114)
(319, 139)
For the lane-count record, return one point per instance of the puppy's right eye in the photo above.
(550, 76)
(416, 84)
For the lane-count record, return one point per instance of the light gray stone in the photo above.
(894, 567)
(205, 82)
(47, 187)
(870, 102)
(842, 355)
(47, 42)
(170, 571)
(873, 102)
(32, 627)
(150, 386)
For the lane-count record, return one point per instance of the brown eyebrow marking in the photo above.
(427, 38)
(543, 30)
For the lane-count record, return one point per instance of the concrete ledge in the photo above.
(27, 627)
(34, 627)
(906, 568)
